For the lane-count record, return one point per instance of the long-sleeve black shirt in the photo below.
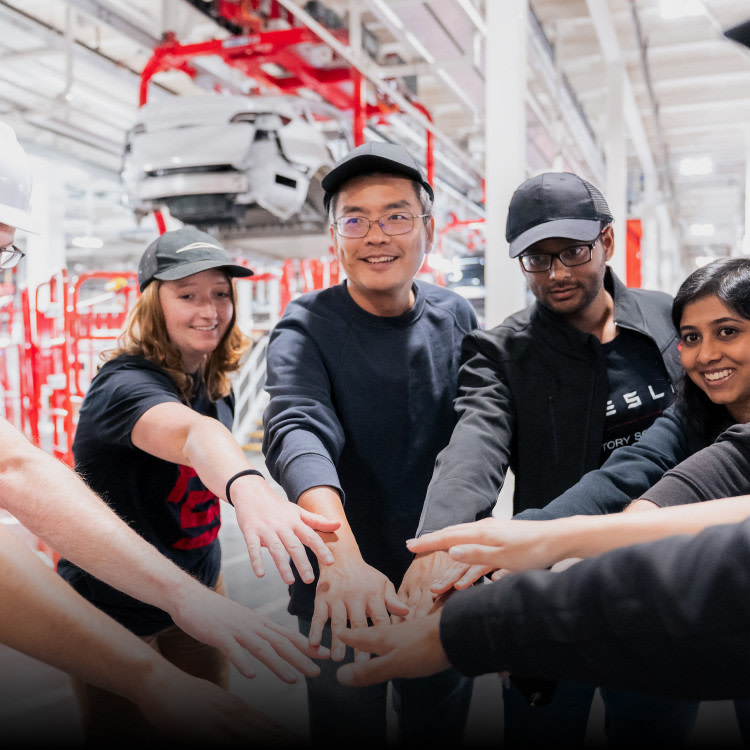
(669, 617)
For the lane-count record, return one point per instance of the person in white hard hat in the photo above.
(43, 617)
(15, 195)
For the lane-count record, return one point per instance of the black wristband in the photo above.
(237, 476)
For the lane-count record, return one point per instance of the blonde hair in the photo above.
(145, 334)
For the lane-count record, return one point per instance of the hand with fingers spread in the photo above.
(416, 589)
(352, 591)
(492, 544)
(407, 650)
(241, 634)
(283, 528)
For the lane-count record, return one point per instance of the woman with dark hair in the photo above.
(728, 281)
(711, 312)
(154, 440)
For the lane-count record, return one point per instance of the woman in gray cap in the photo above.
(154, 440)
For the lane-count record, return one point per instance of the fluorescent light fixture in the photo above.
(696, 166)
(702, 230)
(87, 242)
(680, 8)
(703, 260)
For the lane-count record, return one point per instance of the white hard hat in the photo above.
(15, 182)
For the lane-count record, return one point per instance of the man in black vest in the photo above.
(550, 393)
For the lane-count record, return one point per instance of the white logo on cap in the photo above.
(196, 245)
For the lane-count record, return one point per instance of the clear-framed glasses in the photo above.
(571, 256)
(10, 256)
(354, 227)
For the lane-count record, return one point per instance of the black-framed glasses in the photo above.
(571, 256)
(355, 227)
(10, 256)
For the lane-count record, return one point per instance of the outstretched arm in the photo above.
(44, 618)
(350, 589)
(522, 545)
(176, 433)
(675, 624)
(51, 501)
(722, 469)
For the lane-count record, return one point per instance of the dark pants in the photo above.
(431, 711)
(630, 719)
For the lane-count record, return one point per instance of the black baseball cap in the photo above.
(369, 158)
(554, 204)
(739, 33)
(183, 252)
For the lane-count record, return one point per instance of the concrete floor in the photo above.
(37, 706)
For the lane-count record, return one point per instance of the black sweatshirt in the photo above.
(363, 404)
(669, 617)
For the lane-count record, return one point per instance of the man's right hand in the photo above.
(351, 590)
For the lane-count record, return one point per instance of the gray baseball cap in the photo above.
(554, 204)
(371, 158)
(183, 252)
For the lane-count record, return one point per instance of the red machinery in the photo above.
(283, 61)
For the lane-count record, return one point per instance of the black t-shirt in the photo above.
(639, 389)
(166, 503)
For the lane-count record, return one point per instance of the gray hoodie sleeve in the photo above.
(719, 470)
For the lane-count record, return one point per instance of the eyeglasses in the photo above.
(354, 227)
(571, 256)
(10, 256)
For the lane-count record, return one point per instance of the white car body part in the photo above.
(212, 158)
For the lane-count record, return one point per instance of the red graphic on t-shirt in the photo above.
(191, 518)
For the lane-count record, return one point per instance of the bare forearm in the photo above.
(54, 504)
(44, 618)
(586, 536)
(327, 502)
(216, 456)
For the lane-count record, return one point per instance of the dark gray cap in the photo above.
(370, 158)
(183, 252)
(739, 33)
(554, 204)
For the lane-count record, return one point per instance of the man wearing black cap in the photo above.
(550, 393)
(362, 378)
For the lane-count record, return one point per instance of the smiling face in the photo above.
(565, 290)
(380, 268)
(715, 353)
(197, 311)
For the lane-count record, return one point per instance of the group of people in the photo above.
(392, 421)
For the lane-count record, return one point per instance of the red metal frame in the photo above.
(633, 234)
(90, 329)
(344, 86)
(52, 369)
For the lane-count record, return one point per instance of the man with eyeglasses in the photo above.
(362, 378)
(549, 394)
